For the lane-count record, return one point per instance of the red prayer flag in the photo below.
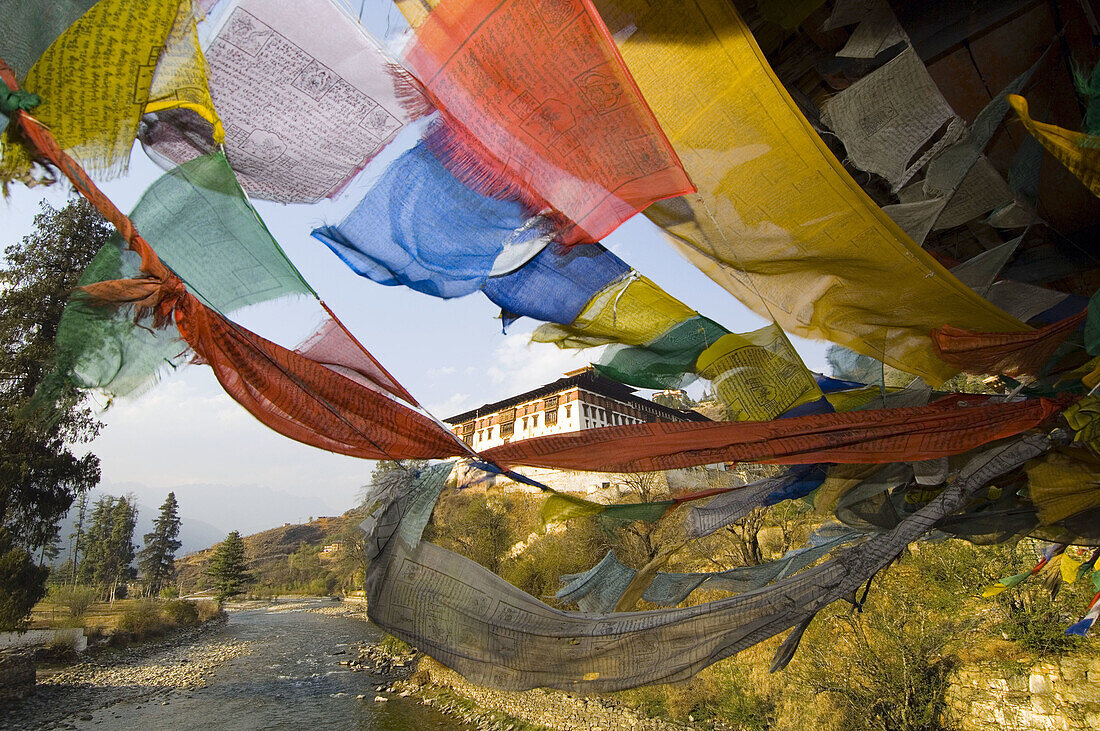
(1011, 353)
(952, 425)
(536, 95)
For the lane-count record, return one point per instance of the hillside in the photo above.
(287, 559)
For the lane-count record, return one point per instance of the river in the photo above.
(286, 675)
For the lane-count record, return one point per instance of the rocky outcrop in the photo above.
(1061, 694)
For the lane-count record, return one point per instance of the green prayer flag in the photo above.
(201, 224)
(667, 362)
(101, 346)
(1002, 584)
(28, 28)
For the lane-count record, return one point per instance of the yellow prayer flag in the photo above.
(1065, 145)
(757, 375)
(560, 507)
(416, 11)
(1061, 486)
(94, 81)
(1070, 567)
(180, 78)
(777, 221)
(632, 310)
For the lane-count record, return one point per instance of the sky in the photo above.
(451, 354)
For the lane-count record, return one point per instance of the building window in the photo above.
(490, 433)
(567, 410)
(584, 408)
(552, 417)
(534, 421)
(525, 422)
(508, 429)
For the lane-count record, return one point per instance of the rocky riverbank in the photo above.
(410, 674)
(152, 673)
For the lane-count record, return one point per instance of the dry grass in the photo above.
(139, 618)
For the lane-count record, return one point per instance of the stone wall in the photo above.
(16, 676)
(608, 486)
(69, 636)
(1061, 694)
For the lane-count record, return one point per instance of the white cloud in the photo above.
(457, 403)
(443, 371)
(519, 365)
(188, 431)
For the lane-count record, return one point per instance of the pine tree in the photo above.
(39, 474)
(110, 548)
(76, 538)
(124, 518)
(96, 538)
(228, 567)
(157, 560)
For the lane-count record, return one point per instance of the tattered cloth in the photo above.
(542, 105)
(952, 425)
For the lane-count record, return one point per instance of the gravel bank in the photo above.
(151, 672)
(446, 690)
(538, 708)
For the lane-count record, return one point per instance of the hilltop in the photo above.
(318, 557)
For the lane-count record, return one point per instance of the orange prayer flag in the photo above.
(953, 425)
(1011, 353)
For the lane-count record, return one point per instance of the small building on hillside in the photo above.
(581, 399)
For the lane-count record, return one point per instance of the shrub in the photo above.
(76, 600)
(208, 609)
(142, 621)
(475, 525)
(538, 569)
(1035, 622)
(181, 612)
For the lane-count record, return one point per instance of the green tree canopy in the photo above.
(157, 559)
(228, 567)
(109, 555)
(22, 583)
(39, 474)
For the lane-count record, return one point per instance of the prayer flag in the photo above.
(306, 96)
(952, 425)
(28, 28)
(421, 227)
(1080, 153)
(778, 222)
(540, 102)
(94, 81)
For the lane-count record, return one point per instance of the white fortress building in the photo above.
(582, 399)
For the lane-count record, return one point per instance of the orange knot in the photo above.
(148, 296)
